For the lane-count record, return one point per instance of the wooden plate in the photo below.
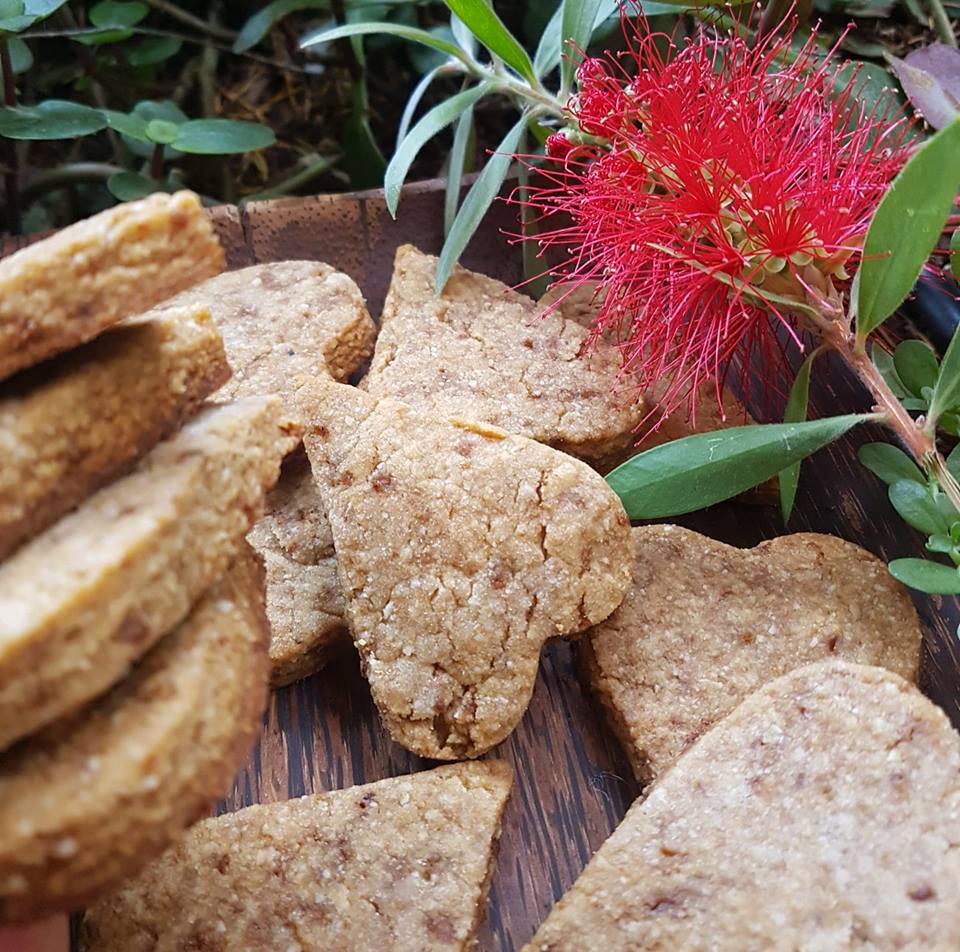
(572, 783)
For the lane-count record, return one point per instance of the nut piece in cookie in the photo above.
(402, 864)
(91, 799)
(304, 599)
(461, 549)
(73, 423)
(286, 320)
(65, 289)
(705, 624)
(90, 595)
(483, 352)
(823, 813)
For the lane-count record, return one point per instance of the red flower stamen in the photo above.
(729, 191)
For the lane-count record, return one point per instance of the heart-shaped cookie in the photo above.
(461, 549)
(823, 813)
(705, 624)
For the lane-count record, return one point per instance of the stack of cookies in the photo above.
(132, 631)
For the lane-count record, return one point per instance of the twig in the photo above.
(184, 16)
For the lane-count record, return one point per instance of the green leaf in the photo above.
(456, 166)
(52, 119)
(112, 13)
(21, 59)
(488, 28)
(222, 137)
(436, 119)
(700, 470)
(953, 462)
(414, 34)
(916, 365)
(364, 160)
(260, 24)
(133, 125)
(946, 391)
(127, 124)
(161, 132)
(16, 16)
(905, 228)
(883, 361)
(483, 191)
(576, 28)
(941, 544)
(550, 49)
(954, 249)
(795, 412)
(934, 578)
(413, 100)
(917, 507)
(890, 463)
(129, 186)
(425, 59)
(153, 49)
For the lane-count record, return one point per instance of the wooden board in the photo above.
(572, 782)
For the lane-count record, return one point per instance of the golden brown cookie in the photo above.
(823, 813)
(706, 624)
(65, 289)
(91, 799)
(304, 599)
(89, 596)
(402, 864)
(283, 321)
(70, 425)
(483, 352)
(461, 549)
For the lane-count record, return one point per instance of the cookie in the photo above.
(483, 352)
(823, 813)
(304, 599)
(461, 549)
(286, 320)
(402, 864)
(90, 800)
(82, 601)
(70, 425)
(705, 624)
(65, 289)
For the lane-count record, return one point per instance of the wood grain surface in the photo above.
(572, 782)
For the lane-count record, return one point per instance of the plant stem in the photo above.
(919, 443)
(305, 176)
(156, 163)
(11, 177)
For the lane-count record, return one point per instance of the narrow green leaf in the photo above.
(576, 28)
(260, 24)
(795, 412)
(414, 34)
(917, 507)
(934, 578)
(890, 463)
(550, 49)
(916, 365)
(436, 119)
(700, 470)
(456, 166)
(953, 462)
(413, 100)
(52, 119)
(222, 137)
(488, 28)
(906, 226)
(483, 191)
(946, 391)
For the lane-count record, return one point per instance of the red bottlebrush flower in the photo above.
(729, 190)
(557, 146)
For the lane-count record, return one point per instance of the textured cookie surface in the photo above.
(705, 624)
(402, 864)
(304, 598)
(482, 352)
(823, 813)
(285, 320)
(90, 595)
(461, 549)
(65, 289)
(71, 424)
(91, 799)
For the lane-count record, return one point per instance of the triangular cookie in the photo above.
(705, 624)
(823, 813)
(93, 798)
(461, 549)
(402, 864)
